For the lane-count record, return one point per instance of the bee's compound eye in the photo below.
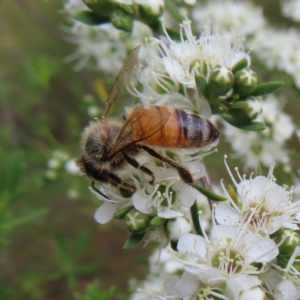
(93, 145)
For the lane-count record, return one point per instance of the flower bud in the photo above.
(282, 261)
(121, 20)
(136, 221)
(177, 227)
(156, 222)
(151, 8)
(254, 108)
(220, 82)
(291, 241)
(245, 82)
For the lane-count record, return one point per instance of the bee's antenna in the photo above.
(97, 191)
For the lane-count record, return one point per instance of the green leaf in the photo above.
(24, 219)
(267, 88)
(239, 105)
(209, 194)
(90, 18)
(100, 7)
(196, 218)
(254, 126)
(218, 108)
(134, 240)
(240, 65)
(121, 213)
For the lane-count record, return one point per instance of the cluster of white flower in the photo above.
(271, 148)
(251, 249)
(169, 68)
(246, 20)
(104, 44)
(250, 252)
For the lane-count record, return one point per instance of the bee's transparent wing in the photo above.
(137, 129)
(119, 97)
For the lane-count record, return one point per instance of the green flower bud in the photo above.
(136, 221)
(245, 82)
(220, 82)
(157, 222)
(121, 20)
(152, 8)
(291, 241)
(254, 108)
(282, 261)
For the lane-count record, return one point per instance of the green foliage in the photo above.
(134, 240)
(94, 292)
(67, 257)
(90, 18)
(12, 169)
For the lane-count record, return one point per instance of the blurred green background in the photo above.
(50, 245)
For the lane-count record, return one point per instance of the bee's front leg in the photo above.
(98, 191)
(132, 161)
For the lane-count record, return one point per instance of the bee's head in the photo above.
(93, 140)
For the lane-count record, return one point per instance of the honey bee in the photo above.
(109, 144)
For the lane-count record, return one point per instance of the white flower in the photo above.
(167, 198)
(242, 18)
(112, 201)
(262, 204)
(222, 262)
(177, 227)
(168, 65)
(254, 293)
(286, 290)
(71, 167)
(279, 50)
(278, 288)
(105, 44)
(162, 264)
(291, 9)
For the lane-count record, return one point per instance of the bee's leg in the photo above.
(97, 191)
(121, 184)
(183, 172)
(131, 160)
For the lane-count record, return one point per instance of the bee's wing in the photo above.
(119, 93)
(133, 132)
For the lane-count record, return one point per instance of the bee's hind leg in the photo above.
(132, 161)
(121, 184)
(183, 172)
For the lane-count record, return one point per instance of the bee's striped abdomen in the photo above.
(182, 129)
